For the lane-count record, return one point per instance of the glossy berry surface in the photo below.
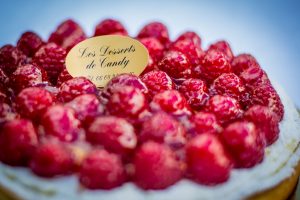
(101, 170)
(207, 160)
(113, 133)
(60, 122)
(245, 144)
(110, 27)
(156, 166)
(11, 58)
(156, 30)
(223, 47)
(18, 140)
(29, 43)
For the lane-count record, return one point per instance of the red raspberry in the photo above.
(156, 166)
(265, 120)
(243, 62)
(207, 161)
(203, 122)
(227, 84)
(75, 87)
(87, 107)
(127, 102)
(63, 77)
(10, 58)
(266, 95)
(170, 101)
(254, 77)
(225, 108)
(110, 27)
(60, 122)
(123, 80)
(157, 81)
(244, 143)
(52, 58)
(187, 47)
(52, 159)
(150, 66)
(213, 65)
(26, 76)
(176, 65)
(67, 34)
(163, 128)
(113, 133)
(195, 91)
(224, 47)
(29, 43)
(32, 102)
(155, 48)
(156, 30)
(18, 140)
(192, 36)
(4, 81)
(102, 170)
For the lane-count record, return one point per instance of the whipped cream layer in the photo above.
(280, 160)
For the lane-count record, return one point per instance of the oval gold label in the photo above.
(103, 57)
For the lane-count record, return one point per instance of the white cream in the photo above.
(278, 164)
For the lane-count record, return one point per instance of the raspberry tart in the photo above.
(196, 124)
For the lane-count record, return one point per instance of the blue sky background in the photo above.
(270, 30)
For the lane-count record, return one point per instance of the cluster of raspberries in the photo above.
(192, 113)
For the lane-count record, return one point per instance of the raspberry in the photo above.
(203, 122)
(176, 65)
(75, 87)
(243, 62)
(123, 80)
(63, 77)
(110, 27)
(52, 159)
(163, 128)
(150, 66)
(11, 58)
(18, 140)
(227, 84)
(170, 101)
(244, 143)
(187, 47)
(4, 80)
(192, 36)
(266, 95)
(224, 47)
(156, 30)
(60, 122)
(29, 43)
(265, 120)
(195, 91)
(155, 48)
(87, 107)
(102, 170)
(156, 166)
(207, 160)
(26, 76)
(113, 133)
(127, 102)
(52, 58)
(254, 77)
(67, 34)
(157, 81)
(32, 102)
(213, 65)
(225, 108)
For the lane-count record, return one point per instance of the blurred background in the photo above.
(269, 30)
